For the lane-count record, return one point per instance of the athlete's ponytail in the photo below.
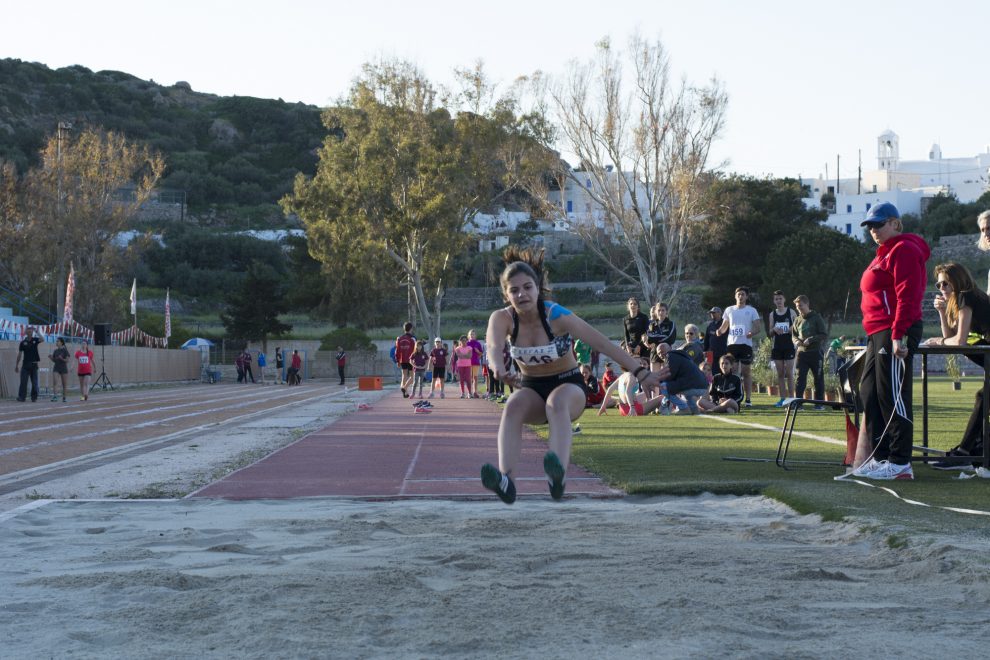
(529, 262)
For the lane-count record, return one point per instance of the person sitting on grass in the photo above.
(632, 401)
(609, 376)
(594, 393)
(681, 377)
(726, 392)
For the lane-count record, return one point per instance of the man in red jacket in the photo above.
(893, 286)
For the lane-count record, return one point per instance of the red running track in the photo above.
(391, 452)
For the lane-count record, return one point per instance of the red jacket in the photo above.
(893, 285)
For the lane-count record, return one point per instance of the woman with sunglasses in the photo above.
(962, 309)
(892, 287)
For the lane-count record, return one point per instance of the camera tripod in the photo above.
(103, 381)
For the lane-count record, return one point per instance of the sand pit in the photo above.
(664, 577)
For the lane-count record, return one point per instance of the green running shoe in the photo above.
(555, 471)
(495, 481)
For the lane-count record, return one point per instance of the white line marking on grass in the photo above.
(778, 430)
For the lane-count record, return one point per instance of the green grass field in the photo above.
(685, 455)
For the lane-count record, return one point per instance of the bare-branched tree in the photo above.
(642, 145)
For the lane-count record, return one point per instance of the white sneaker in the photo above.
(866, 468)
(887, 471)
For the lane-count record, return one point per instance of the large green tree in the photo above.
(87, 189)
(823, 264)
(748, 217)
(253, 309)
(398, 180)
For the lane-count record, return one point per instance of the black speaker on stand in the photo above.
(101, 337)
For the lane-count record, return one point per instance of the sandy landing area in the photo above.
(662, 577)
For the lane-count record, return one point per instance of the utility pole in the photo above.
(837, 174)
(859, 174)
(60, 283)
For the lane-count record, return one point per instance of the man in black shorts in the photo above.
(741, 322)
(779, 322)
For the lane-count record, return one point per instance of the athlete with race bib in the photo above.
(780, 320)
(741, 322)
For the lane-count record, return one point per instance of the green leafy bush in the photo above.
(351, 339)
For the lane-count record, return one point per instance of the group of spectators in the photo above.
(442, 363)
(798, 335)
(293, 375)
(28, 365)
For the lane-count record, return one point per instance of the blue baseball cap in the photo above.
(880, 214)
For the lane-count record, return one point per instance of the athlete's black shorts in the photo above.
(782, 353)
(440, 373)
(743, 353)
(544, 385)
(406, 366)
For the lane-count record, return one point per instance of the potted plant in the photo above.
(762, 371)
(953, 371)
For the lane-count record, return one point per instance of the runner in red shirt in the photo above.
(405, 346)
(84, 369)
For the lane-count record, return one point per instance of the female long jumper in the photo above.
(550, 388)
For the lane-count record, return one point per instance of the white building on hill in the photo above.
(907, 184)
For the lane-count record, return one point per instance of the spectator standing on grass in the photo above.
(741, 322)
(780, 320)
(635, 325)
(84, 370)
(60, 367)
(582, 352)
(405, 346)
(893, 286)
(713, 342)
(341, 358)
(279, 365)
(983, 222)
(809, 333)
(27, 364)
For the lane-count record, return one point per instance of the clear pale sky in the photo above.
(806, 81)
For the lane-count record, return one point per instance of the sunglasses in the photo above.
(943, 284)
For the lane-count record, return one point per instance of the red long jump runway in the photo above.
(390, 452)
(35, 436)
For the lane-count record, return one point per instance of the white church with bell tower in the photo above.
(907, 184)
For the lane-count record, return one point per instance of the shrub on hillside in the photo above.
(351, 339)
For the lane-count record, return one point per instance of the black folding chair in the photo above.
(849, 375)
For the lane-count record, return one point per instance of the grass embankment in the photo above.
(685, 456)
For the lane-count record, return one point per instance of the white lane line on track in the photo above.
(105, 432)
(412, 463)
(101, 411)
(777, 430)
(49, 467)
